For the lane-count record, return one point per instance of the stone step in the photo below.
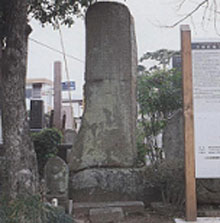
(106, 215)
(209, 213)
(84, 209)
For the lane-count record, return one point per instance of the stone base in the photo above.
(106, 185)
(199, 220)
(82, 210)
(106, 215)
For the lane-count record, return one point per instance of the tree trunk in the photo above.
(20, 154)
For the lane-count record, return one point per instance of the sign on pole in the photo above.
(68, 85)
(190, 183)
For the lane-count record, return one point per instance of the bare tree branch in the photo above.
(215, 16)
(189, 14)
(181, 5)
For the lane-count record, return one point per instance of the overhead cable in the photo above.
(55, 50)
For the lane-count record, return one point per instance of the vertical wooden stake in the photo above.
(190, 182)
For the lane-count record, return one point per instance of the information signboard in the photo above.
(206, 97)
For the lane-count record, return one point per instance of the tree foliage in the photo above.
(159, 95)
(46, 12)
(162, 57)
(46, 146)
(31, 209)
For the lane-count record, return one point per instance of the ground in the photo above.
(151, 216)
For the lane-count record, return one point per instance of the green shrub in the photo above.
(168, 177)
(30, 209)
(45, 144)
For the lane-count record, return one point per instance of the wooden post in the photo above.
(190, 182)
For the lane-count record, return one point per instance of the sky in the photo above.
(150, 16)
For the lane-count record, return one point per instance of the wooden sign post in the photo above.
(190, 182)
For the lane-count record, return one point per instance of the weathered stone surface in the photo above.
(129, 207)
(107, 134)
(57, 94)
(106, 215)
(208, 190)
(64, 150)
(173, 141)
(68, 121)
(3, 176)
(37, 115)
(70, 136)
(57, 179)
(101, 185)
(209, 213)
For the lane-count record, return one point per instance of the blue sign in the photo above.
(69, 85)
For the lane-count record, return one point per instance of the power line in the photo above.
(55, 50)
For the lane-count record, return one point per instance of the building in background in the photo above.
(40, 89)
(43, 89)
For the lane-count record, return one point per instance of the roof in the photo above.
(39, 81)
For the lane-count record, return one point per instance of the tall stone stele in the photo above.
(107, 135)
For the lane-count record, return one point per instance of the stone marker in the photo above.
(57, 94)
(70, 136)
(82, 209)
(67, 111)
(56, 179)
(173, 141)
(208, 190)
(106, 215)
(103, 159)
(107, 135)
(37, 114)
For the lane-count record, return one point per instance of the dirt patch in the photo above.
(160, 214)
(149, 216)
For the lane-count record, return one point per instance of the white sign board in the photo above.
(206, 96)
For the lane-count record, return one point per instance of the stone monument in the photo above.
(56, 179)
(103, 159)
(107, 134)
(37, 115)
(57, 94)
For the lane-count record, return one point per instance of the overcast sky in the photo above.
(150, 18)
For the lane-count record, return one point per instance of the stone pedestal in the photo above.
(109, 185)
